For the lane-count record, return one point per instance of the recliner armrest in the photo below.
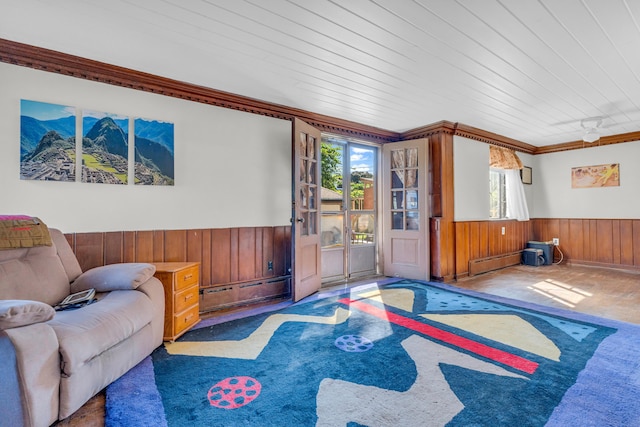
(17, 313)
(114, 277)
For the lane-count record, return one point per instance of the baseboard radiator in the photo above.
(483, 265)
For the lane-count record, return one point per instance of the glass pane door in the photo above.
(332, 223)
(349, 221)
(362, 207)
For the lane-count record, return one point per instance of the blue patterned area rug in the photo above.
(401, 354)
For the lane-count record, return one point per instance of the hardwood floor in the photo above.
(609, 293)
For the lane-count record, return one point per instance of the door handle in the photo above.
(300, 219)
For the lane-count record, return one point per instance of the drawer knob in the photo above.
(186, 319)
(188, 276)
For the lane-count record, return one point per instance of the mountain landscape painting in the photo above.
(154, 159)
(105, 148)
(47, 141)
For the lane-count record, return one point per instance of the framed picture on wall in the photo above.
(526, 175)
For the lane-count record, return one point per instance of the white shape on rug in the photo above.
(503, 328)
(399, 298)
(429, 398)
(250, 347)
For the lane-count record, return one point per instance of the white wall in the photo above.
(231, 168)
(471, 179)
(554, 197)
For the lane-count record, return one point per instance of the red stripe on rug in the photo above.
(480, 349)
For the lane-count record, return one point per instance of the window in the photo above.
(497, 194)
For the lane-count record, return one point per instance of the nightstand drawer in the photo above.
(181, 282)
(185, 298)
(186, 277)
(182, 321)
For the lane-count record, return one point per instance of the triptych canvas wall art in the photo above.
(112, 145)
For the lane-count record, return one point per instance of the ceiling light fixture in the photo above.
(591, 126)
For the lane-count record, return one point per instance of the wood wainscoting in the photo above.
(484, 243)
(237, 259)
(613, 243)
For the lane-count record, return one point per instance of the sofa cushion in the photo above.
(16, 313)
(88, 331)
(112, 277)
(66, 255)
(33, 274)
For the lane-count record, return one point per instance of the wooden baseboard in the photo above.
(619, 267)
(483, 265)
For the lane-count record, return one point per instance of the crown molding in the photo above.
(576, 145)
(38, 58)
(493, 138)
(57, 62)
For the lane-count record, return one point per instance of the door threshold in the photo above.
(353, 281)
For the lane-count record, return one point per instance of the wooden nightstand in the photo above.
(181, 296)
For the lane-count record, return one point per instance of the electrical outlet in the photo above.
(556, 241)
(503, 231)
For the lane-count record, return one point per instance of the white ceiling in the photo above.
(526, 69)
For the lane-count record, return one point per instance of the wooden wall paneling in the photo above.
(586, 247)
(129, 247)
(235, 253)
(604, 248)
(463, 243)
(158, 246)
(267, 252)
(593, 240)
(221, 256)
(225, 255)
(194, 246)
(435, 177)
(551, 229)
(627, 244)
(474, 240)
(113, 247)
(573, 245)
(494, 238)
(288, 243)
(606, 242)
(615, 241)
(636, 242)
(435, 248)
(564, 232)
(449, 250)
(279, 249)
(89, 249)
(259, 253)
(143, 247)
(207, 258)
(484, 239)
(246, 253)
(175, 245)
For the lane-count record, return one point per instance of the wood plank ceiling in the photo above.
(530, 70)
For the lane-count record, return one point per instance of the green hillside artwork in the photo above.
(105, 149)
(47, 141)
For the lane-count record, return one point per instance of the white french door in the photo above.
(405, 213)
(305, 210)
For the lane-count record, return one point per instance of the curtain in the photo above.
(508, 160)
(516, 200)
(503, 158)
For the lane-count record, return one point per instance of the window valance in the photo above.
(503, 158)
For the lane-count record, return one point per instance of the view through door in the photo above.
(349, 209)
